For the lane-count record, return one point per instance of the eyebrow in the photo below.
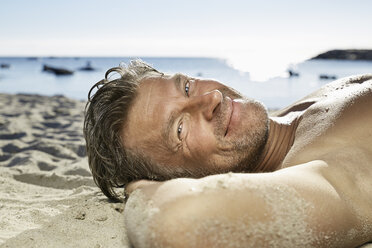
(178, 80)
(167, 128)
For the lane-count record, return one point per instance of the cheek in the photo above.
(200, 142)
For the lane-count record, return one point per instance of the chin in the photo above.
(252, 136)
(255, 120)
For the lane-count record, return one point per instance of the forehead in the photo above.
(150, 110)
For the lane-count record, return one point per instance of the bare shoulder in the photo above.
(348, 85)
(292, 207)
(338, 116)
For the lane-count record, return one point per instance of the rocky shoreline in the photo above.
(348, 54)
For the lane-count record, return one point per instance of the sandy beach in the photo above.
(47, 195)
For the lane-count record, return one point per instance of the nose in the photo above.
(206, 104)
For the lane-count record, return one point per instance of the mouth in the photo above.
(230, 115)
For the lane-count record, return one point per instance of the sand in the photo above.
(47, 195)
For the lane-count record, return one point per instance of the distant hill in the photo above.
(349, 54)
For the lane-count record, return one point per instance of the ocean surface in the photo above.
(26, 75)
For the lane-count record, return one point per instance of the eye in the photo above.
(179, 131)
(187, 88)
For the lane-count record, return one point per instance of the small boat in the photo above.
(293, 73)
(57, 71)
(327, 77)
(4, 66)
(87, 67)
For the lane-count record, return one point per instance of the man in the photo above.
(312, 162)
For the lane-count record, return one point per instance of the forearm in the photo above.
(285, 209)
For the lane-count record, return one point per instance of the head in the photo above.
(105, 114)
(157, 126)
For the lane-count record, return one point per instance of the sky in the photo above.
(261, 37)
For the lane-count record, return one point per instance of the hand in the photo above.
(140, 184)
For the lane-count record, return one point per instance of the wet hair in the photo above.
(105, 115)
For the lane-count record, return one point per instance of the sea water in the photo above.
(25, 75)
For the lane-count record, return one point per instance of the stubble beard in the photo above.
(247, 144)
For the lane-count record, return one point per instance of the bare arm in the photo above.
(288, 208)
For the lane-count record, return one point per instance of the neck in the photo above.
(280, 139)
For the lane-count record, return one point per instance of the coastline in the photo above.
(346, 54)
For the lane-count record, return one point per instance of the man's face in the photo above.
(197, 125)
